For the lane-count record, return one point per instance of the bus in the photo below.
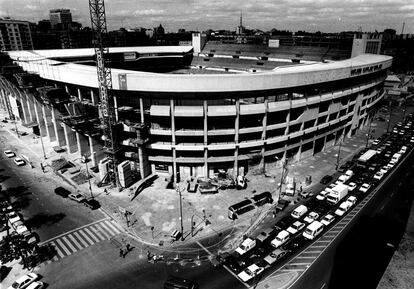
(263, 198)
(240, 208)
(367, 158)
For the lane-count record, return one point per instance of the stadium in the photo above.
(187, 113)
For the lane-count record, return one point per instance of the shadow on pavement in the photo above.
(16, 191)
(44, 219)
(21, 203)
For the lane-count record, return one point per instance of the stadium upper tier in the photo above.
(49, 65)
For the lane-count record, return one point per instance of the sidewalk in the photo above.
(155, 211)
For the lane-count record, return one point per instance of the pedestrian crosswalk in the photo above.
(83, 237)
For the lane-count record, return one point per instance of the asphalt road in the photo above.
(32, 192)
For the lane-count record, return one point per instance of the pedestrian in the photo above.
(128, 247)
(41, 165)
(300, 189)
(148, 255)
(274, 214)
(105, 191)
(121, 253)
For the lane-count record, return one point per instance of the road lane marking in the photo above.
(71, 231)
(75, 242)
(83, 238)
(92, 234)
(63, 247)
(68, 243)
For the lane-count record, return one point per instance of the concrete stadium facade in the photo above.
(200, 123)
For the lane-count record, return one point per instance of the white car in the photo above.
(343, 208)
(365, 187)
(311, 217)
(326, 220)
(376, 142)
(352, 186)
(77, 197)
(378, 175)
(295, 227)
(322, 195)
(22, 230)
(24, 281)
(19, 161)
(352, 200)
(13, 217)
(36, 285)
(251, 272)
(9, 154)
(412, 139)
(403, 149)
(384, 170)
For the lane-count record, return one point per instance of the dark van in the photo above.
(174, 282)
(263, 198)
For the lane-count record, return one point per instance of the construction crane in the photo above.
(108, 116)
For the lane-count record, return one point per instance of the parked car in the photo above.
(192, 185)
(246, 246)
(311, 217)
(322, 195)
(24, 281)
(328, 219)
(305, 194)
(92, 204)
(378, 176)
(36, 285)
(61, 191)
(365, 187)
(295, 227)
(352, 186)
(352, 200)
(207, 188)
(9, 153)
(77, 197)
(326, 179)
(343, 208)
(241, 182)
(19, 162)
(264, 235)
(275, 256)
(281, 204)
(251, 272)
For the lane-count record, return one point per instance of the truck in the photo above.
(338, 193)
(345, 177)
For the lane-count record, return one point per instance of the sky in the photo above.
(293, 15)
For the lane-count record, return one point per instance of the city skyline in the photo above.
(319, 15)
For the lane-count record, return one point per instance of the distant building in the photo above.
(15, 35)
(366, 43)
(392, 86)
(60, 16)
(240, 28)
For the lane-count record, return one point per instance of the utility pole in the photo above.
(85, 159)
(178, 189)
(43, 147)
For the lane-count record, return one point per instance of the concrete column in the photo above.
(264, 122)
(83, 144)
(236, 139)
(39, 119)
(174, 154)
(80, 94)
(23, 104)
(141, 109)
(96, 151)
(59, 133)
(205, 128)
(94, 98)
(70, 139)
(50, 129)
(30, 106)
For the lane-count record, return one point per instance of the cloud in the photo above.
(149, 12)
(203, 14)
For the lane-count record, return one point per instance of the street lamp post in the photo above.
(43, 147)
(85, 159)
(368, 133)
(178, 189)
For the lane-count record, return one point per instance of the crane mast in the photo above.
(108, 117)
